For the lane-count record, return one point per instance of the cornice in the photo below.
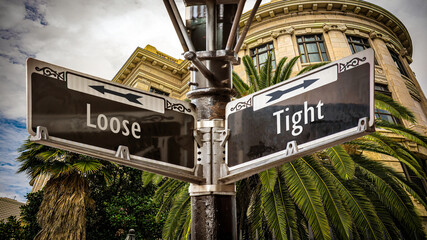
(356, 8)
(142, 55)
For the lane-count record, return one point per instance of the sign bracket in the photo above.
(41, 134)
(123, 152)
(291, 148)
(362, 125)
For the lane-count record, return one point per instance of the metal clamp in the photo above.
(41, 134)
(123, 152)
(198, 138)
(218, 189)
(291, 148)
(362, 125)
(222, 137)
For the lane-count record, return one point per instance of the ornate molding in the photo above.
(242, 105)
(403, 52)
(49, 72)
(176, 107)
(288, 31)
(281, 32)
(351, 64)
(334, 27)
(391, 46)
(375, 34)
(275, 34)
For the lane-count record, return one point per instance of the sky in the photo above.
(97, 37)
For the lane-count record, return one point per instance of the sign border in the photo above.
(292, 151)
(155, 166)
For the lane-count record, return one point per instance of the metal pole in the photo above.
(246, 29)
(236, 22)
(213, 205)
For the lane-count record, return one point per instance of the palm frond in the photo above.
(252, 72)
(255, 213)
(274, 213)
(88, 167)
(359, 206)
(268, 179)
(402, 131)
(266, 73)
(148, 178)
(289, 209)
(307, 198)
(396, 201)
(287, 69)
(336, 212)
(278, 71)
(177, 216)
(341, 161)
(395, 150)
(241, 87)
(312, 67)
(388, 104)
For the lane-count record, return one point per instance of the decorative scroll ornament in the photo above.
(351, 64)
(177, 107)
(48, 72)
(242, 105)
(155, 118)
(336, 27)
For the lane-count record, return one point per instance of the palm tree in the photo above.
(337, 193)
(62, 213)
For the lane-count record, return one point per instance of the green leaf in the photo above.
(275, 214)
(312, 67)
(341, 161)
(252, 72)
(241, 87)
(402, 131)
(335, 210)
(278, 71)
(287, 70)
(360, 208)
(401, 208)
(268, 179)
(307, 198)
(396, 109)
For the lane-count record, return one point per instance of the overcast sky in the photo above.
(97, 37)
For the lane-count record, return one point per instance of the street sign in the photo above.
(322, 108)
(99, 118)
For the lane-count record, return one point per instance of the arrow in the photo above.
(129, 96)
(278, 94)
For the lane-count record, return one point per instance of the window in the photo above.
(398, 63)
(383, 89)
(259, 55)
(357, 44)
(412, 177)
(312, 48)
(382, 114)
(155, 90)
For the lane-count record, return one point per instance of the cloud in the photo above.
(12, 135)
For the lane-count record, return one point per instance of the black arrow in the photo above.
(129, 96)
(278, 94)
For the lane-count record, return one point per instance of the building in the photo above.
(151, 70)
(9, 207)
(318, 31)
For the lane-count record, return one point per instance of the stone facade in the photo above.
(149, 69)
